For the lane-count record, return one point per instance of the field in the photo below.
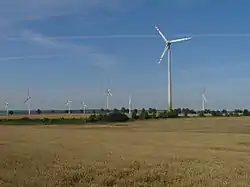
(174, 152)
(41, 116)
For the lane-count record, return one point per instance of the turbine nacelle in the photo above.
(168, 43)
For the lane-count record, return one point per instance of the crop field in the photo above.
(41, 116)
(173, 152)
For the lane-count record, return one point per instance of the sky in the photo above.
(76, 49)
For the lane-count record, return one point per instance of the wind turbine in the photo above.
(27, 100)
(6, 106)
(204, 100)
(129, 104)
(168, 48)
(68, 103)
(84, 107)
(108, 93)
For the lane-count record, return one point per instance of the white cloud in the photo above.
(29, 57)
(30, 9)
(90, 53)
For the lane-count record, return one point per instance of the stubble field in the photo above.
(175, 152)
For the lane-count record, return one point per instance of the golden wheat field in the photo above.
(174, 152)
(41, 116)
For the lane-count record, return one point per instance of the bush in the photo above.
(201, 114)
(92, 118)
(134, 114)
(115, 117)
(172, 114)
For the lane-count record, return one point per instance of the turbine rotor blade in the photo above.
(180, 40)
(164, 38)
(163, 54)
(204, 97)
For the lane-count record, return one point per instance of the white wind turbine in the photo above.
(84, 107)
(68, 103)
(168, 48)
(129, 104)
(108, 93)
(6, 106)
(204, 100)
(27, 100)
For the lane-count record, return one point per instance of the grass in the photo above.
(41, 116)
(175, 152)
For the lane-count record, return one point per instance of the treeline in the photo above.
(154, 112)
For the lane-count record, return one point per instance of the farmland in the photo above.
(172, 152)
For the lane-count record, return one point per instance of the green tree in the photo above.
(144, 114)
(150, 110)
(123, 110)
(134, 114)
(154, 112)
(38, 111)
(245, 112)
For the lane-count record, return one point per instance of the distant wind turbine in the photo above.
(84, 107)
(204, 100)
(68, 103)
(6, 106)
(168, 48)
(129, 104)
(108, 93)
(28, 100)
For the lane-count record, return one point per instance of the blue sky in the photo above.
(75, 49)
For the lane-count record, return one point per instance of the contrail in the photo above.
(90, 37)
(215, 35)
(135, 36)
(28, 57)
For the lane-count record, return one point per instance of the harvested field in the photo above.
(173, 152)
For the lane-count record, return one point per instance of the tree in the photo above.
(154, 112)
(116, 110)
(245, 112)
(150, 110)
(224, 112)
(102, 110)
(81, 111)
(143, 114)
(11, 112)
(134, 114)
(38, 111)
(123, 110)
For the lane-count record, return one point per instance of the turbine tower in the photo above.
(6, 106)
(168, 48)
(108, 93)
(129, 104)
(84, 107)
(27, 100)
(204, 100)
(68, 103)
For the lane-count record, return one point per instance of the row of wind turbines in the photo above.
(68, 103)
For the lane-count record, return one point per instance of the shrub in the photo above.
(172, 114)
(134, 114)
(47, 121)
(92, 118)
(115, 117)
